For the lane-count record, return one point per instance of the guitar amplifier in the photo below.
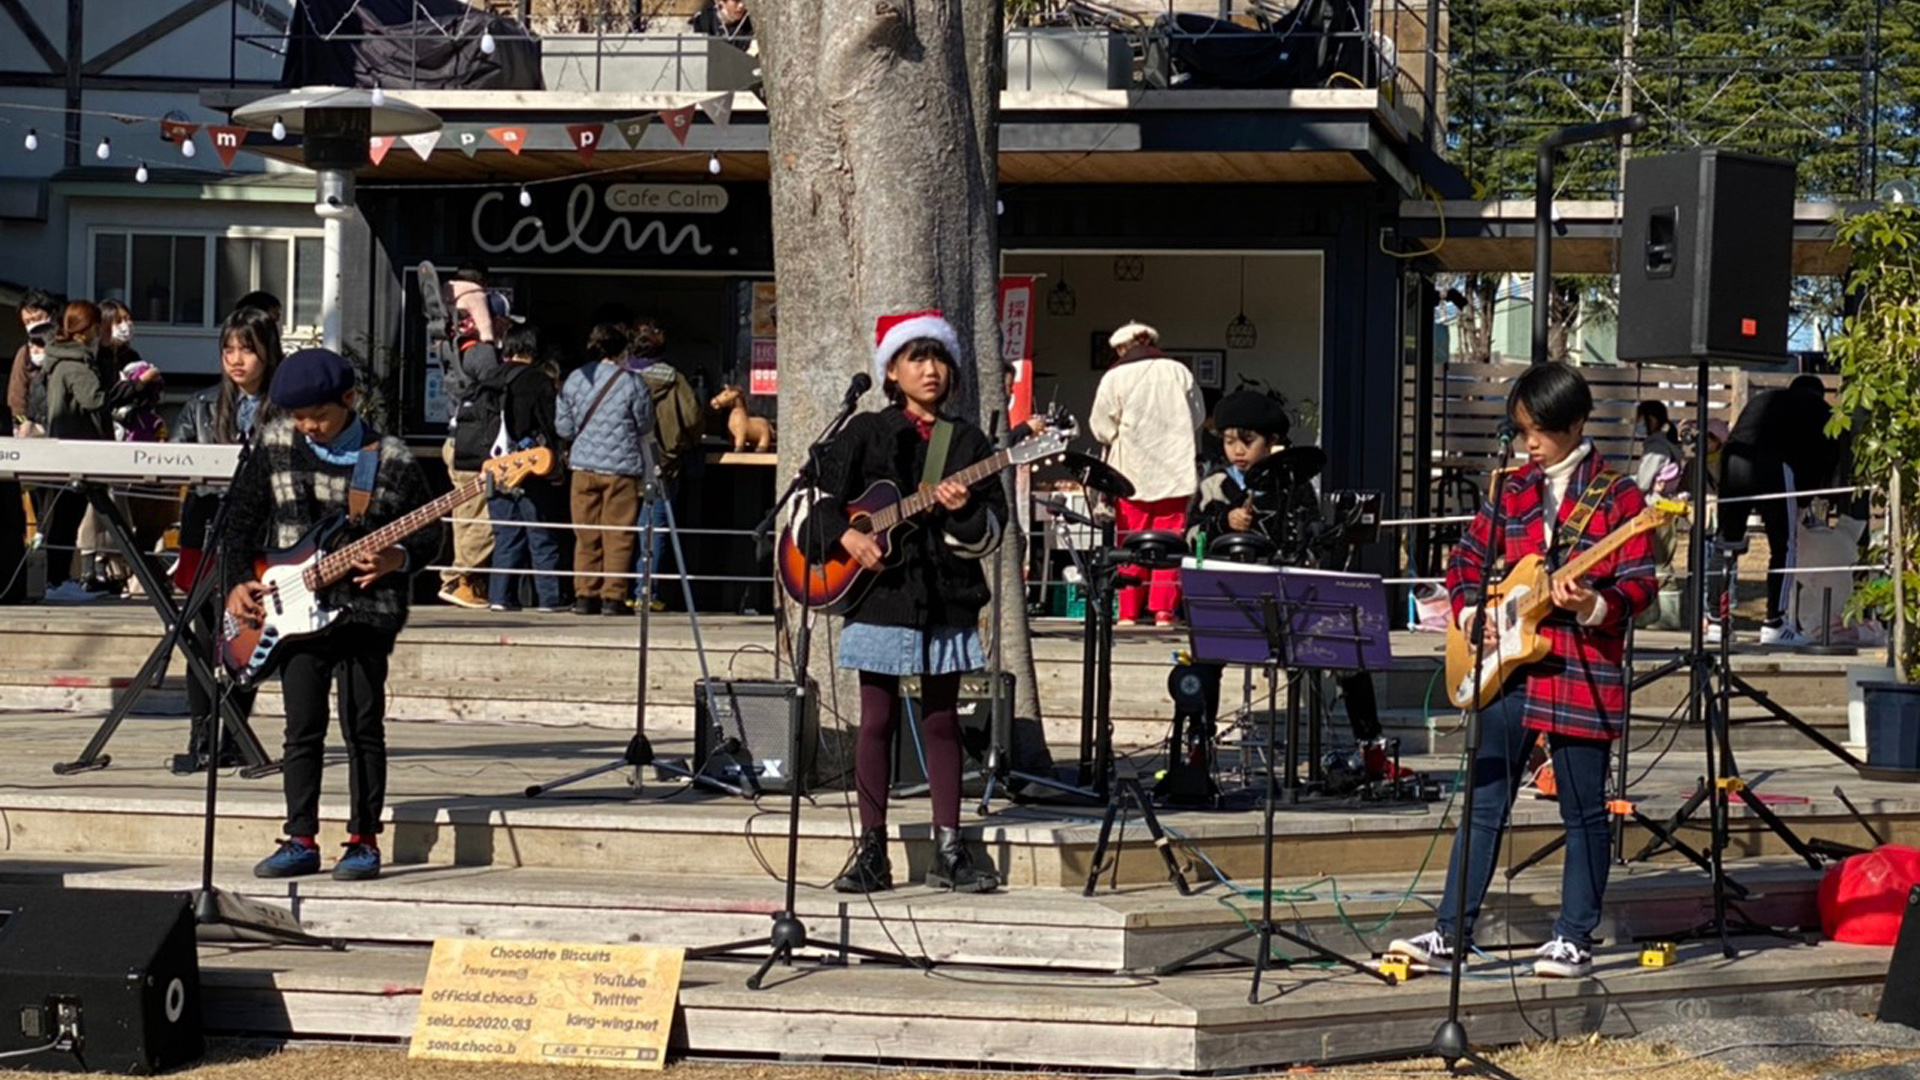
(775, 726)
(985, 719)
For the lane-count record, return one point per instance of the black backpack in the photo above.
(479, 423)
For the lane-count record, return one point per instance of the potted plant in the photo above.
(1878, 353)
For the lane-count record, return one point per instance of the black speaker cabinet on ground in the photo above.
(1706, 258)
(781, 743)
(982, 713)
(117, 967)
(1900, 1001)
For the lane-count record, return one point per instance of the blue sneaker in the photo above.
(360, 863)
(292, 860)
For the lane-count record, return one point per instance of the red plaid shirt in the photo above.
(1580, 688)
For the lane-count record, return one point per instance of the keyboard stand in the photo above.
(181, 633)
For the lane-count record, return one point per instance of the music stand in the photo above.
(1296, 620)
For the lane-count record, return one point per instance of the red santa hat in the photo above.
(892, 332)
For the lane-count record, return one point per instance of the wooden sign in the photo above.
(548, 1003)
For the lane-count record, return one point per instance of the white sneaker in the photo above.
(1562, 959)
(1785, 636)
(1432, 948)
(72, 592)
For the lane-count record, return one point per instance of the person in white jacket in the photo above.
(1147, 412)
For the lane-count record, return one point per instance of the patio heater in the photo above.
(335, 126)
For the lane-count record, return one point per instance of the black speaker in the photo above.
(1706, 258)
(983, 713)
(110, 976)
(1900, 1001)
(776, 727)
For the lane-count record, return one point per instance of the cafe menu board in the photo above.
(548, 1003)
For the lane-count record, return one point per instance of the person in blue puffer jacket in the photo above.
(607, 412)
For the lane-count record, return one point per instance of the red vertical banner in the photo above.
(1016, 344)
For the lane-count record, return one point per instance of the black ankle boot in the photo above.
(953, 866)
(870, 872)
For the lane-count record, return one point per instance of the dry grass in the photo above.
(1583, 1059)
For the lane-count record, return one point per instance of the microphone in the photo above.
(1508, 432)
(861, 383)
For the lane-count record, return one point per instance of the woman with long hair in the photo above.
(75, 407)
(226, 413)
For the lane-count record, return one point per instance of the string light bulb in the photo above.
(999, 207)
(526, 197)
(105, 149)
(187, 149)
(279, 129)
(32, 141)
(140, 174)
(379, 97)
(486, 42)
(713, 164)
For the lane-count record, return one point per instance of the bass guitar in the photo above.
(294, 577)
(1520, 603)
(837, 583)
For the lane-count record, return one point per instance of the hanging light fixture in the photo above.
(187, 149)
(1129, 268)
(378, 97)
(526, 197)
(105, 149)
(486, 42)
(1060, 298)
(279, 129)
(140, 174)
(1241, 333)
(32, 141)
(713, 164)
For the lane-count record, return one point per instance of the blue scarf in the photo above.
(1237, 475)
(345, 447)
(246, 408)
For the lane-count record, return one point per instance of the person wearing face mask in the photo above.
(76, 408)
(38, 310)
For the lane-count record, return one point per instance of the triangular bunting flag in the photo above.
(633, 130)
(466, 138)
(377, 147)
(719, 110)
(177, 131)
(679, 121)
(227, 140)
(585, 138)
(513, 138)
(423, 143)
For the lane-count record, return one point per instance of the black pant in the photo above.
(1744, 472)
(355, 661)
(201, 708)
(60, 512)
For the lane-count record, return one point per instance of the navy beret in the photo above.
(311, 377)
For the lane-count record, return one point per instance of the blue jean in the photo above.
(1580, 775)
(656, 513)
(511, 546)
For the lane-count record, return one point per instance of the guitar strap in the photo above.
(1572, 529)
(366, 468)
(937, 446)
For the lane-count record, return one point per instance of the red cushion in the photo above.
(1863, 899)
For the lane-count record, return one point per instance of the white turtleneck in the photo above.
(1553, 493)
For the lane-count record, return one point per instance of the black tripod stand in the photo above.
(639, 752)
(788, 934)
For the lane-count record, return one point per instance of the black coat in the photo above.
(935, 579)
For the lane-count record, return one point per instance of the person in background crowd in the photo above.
(477, 320)
(303, 473)
(76, 408)
(133, 395)
(1660, 468)
(728, 19)
(39, 312)
(920, 615)
(116, 341)
(519, 398)
(1778, 444)
(226, 413)
(1146, 412)
(606, 410)
(1563, 501)
(262, 300)
(679, 421)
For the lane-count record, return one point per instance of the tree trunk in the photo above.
(883, 155)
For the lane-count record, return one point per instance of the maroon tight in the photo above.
(940, 735)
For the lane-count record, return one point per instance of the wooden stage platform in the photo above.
(1036, 976)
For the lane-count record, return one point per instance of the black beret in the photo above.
(1251, 410)
(311, 377)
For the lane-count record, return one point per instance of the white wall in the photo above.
(1190, 299)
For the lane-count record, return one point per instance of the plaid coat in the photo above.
(1580, 688)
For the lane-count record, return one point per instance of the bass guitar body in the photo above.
(1515, 608)
(835, 584)
(251, 651)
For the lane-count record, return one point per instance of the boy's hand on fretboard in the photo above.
(375, 565)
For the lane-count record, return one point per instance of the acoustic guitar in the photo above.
(1521, 602)
(295, 576)
(837, 583)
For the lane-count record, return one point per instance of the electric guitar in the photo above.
(1520, 602)
(295, 576)
(837, 583)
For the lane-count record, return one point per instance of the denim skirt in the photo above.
(907, 650)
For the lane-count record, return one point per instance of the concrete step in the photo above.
(1133, 928)
(1421, 732)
